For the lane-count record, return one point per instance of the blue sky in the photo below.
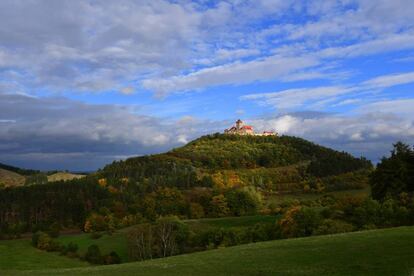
(85, 82)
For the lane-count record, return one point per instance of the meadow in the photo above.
(21, 255)
(118, 241)
(375, 252)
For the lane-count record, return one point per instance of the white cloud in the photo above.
(397, 106)
(297, 98)
(390, 80)
(274, 67)
(169, 46)
(333, 96)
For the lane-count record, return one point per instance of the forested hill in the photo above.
(191, 181)
(17, 170)
(233, 152)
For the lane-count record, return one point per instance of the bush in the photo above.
(299, 221)
(43, 241)
(330, 226)
(54, 246)
(93, 255)
(54, 230)
(112, 258)
(35, 238)
(69, 249)
(245, 201)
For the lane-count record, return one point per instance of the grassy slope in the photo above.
(11, 179)
(281, 198)
(117, 242)
(379, 252)
(20, 255)
(63, 176)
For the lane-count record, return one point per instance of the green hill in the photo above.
(206, 178)
(245, 160)
(378, 252)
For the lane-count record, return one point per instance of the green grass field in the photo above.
(377, 252)
(117, 242)
(21, 255)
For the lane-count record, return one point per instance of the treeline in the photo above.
(93, 255)
(152, 172)
(18, 170)
(394, 175)
(36, 207)
(194, 204)
(87, 205)
(170, 236)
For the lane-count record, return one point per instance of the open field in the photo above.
(117, 242)
(63, 176)
(377, 252)
(21, 255)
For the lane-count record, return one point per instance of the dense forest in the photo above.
(213, 176)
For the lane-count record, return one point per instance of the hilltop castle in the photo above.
(241, 129)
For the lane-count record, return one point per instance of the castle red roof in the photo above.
(247, 127)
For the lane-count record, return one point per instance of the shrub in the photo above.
(35, 238)
(54, 246)
(196, 211)
(93, 255)
(299, 221)
(245, 201)
(330, 226)
(112, 258)
(54, 230)
(43, 241)
(71, 248)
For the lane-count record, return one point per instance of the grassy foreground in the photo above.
(118, 241)
(378, 252)
(21, 255)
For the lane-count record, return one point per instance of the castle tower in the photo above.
(239, 124)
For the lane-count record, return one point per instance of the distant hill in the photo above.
(10, 179)
(11, 176)
(18, 170)
(63, 176)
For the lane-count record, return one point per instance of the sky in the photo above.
(83, 83)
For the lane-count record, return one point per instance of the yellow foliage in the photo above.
(227, 179)
(88, 226)
(112, 189)
(288, 223)
(102, 182)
